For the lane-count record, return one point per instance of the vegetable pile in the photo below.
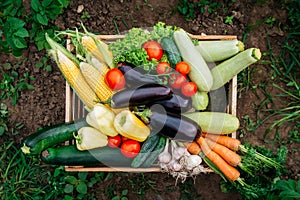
(148, 96)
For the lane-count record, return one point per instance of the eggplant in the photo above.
(136, 76)
(177, 104)
(173, 125)
(140, 96)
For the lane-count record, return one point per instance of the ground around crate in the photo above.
(45, 105)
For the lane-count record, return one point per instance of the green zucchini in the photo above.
(225, 71)
(171, 50)
(218, 50)
(52, 135)
(71, 156)
(200, 73)
(155, 153)
(145, 151)
(215, 122)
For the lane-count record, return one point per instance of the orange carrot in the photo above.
(229, 171)
(193, 148)
(228, 155)
(229, 142)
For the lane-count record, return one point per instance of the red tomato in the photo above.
(124, 138)
(189, 89)
(114, 141)
(154, 50)
(183, 68)
(177, 80)
(130, 148)
(163, 68)
(115, 79)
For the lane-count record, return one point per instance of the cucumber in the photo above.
(171, 50)
(215, 122)
(145, 151)
(71, 156)
(155, 153)
(52, 135)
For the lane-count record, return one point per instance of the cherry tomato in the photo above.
(183, 68)
(154, 50)
(163, 68)
(124, 138)
(114, 141)
(189, 89)
(177, 80)
(115, 79)
(130, 148)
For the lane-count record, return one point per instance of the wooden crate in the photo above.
(75, 109)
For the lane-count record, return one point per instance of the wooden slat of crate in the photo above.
(75, 109)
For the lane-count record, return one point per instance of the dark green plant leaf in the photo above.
(67, 197)
(68, 188)
(81, 188)
(35, 5)
(22, 32)
(124, 192)
(64, 3)
(82, 176)
(71, 179)
(46, 3)
(42, 19)
(2, 130)
(19, 42)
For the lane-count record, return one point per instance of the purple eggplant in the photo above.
(140, 96)
(177, 104)
(136, 76)
(173, 125)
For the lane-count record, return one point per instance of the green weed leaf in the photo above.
(81, 188)
(47, 3)
(82, 176)
(20, 43)
(35, 5)
(67, 197)
(22, 32)
(71, 179)
(68, 188)
(42, 19)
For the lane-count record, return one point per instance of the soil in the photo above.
(45, 105)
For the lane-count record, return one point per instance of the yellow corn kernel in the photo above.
(100, 51)
(96, 80)
(75, 79)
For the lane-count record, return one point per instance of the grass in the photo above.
(27, 178)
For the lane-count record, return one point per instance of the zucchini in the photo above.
(200, 73)
(49, 136)
(218, 50)
(71, 156)
(215, 122)
(171, 50)
(226, 70)
(155, 153)
(145, 151)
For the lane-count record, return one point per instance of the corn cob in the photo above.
(96, 80)
(100, 66)
(98, 49)
(75, 79)
(69, 67)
